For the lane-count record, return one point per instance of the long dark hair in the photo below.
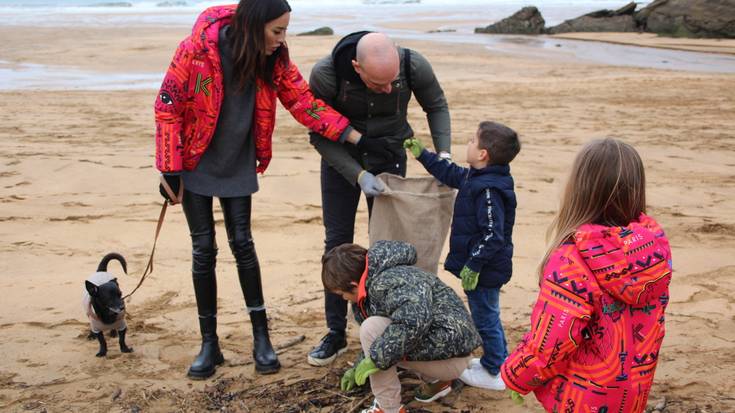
(247, 34)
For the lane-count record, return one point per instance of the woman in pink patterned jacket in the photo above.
(215, 115)
(598, 322)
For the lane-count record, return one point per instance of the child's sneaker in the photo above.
(479, 377)
(375, 408)
(474, 363)
(428, 392)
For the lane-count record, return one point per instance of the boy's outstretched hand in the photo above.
(363, 370)
(414, 145)
(469, 278)
(516, 397)
(347, 382)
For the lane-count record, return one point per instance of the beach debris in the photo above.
(116, 393)
(322, 31)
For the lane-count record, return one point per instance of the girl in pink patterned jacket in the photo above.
(215, 115)
(598, 322)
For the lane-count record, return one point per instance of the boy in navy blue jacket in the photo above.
(480, 244)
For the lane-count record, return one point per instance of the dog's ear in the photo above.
(115, 281)
(91, 288)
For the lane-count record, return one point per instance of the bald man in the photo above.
(370, 80)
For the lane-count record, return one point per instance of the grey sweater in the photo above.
(227, 168)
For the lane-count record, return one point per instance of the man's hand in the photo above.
(369, 184)
(378, 147)
(347, 382)
(364, 370)
(469, 278)
(414, 145)
(175, 184)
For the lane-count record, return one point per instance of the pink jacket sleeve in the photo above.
(169, 109)
(296, 97)
(562, 310)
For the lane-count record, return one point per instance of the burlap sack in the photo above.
(415, 210)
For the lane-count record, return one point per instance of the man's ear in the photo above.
(354, 284)
(356, 66)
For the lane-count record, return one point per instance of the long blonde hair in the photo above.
(607, 186)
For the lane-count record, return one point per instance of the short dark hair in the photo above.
(343, 265)
(500, 141)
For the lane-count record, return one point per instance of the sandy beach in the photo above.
(77, 181)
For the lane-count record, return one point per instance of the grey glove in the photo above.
(370, 185)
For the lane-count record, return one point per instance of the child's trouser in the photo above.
(484, 306)
(385, 384)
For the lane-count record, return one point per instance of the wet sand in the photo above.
(77, 181)
(720, 46)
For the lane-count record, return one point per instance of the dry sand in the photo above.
(77, 181)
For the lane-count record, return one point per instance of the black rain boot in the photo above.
(266, 360)
(210, 356)
(205, 290)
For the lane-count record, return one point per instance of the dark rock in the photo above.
(526, 21)
(689, 18)
(322, 31)
(627, 9)
(620, 20)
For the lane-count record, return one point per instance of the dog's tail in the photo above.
(112, 256)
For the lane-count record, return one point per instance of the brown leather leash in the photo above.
(175, 199)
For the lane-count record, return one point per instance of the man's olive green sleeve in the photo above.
(430, 96)
(323, 84)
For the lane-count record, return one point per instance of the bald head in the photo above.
(377, 62)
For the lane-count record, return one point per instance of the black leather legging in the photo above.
(199, 216)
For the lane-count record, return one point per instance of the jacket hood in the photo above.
(628, 262)
(388, 254)
(343, 53)
(209, 22)
(380, 257)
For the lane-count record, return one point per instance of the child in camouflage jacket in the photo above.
(408, 318)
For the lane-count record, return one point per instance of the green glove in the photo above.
(364, 370)
(469, 278)
(413, 145)
(516, 397)
(347, 382)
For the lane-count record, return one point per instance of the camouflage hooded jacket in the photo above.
(429, 321)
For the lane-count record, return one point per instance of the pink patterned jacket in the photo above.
(598, 322)
(188, 103)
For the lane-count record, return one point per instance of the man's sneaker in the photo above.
(479, 377)
(428, 392)
(375, 408)
(331, 345)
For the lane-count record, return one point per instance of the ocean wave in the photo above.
(112, 4)
(391, 1)
(172, 4)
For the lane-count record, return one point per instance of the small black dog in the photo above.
(104, 305)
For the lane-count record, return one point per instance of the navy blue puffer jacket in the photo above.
(484, 214)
